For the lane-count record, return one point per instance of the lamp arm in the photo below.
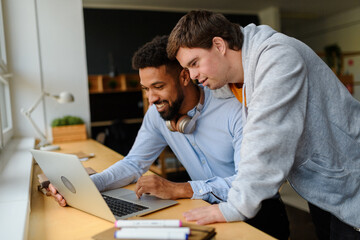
(31, 109)
(27, 114)
(43, 141)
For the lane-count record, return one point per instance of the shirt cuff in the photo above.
(200, 190)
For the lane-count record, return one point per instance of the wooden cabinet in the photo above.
(116, 109)
(116, 98)
(122, 98)
(119, 83)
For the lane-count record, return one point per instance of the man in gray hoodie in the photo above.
(300, 122)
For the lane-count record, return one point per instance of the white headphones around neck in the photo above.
(186, 124)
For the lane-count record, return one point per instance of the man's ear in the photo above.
(219, 44)
(185, 77)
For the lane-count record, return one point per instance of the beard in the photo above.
(173, 108)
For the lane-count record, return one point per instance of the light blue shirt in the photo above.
(210, 154)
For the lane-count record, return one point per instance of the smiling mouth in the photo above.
(160, 106)
(203, 81)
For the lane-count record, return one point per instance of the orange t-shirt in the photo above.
(237, 91)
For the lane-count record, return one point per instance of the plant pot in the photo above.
(69, 133)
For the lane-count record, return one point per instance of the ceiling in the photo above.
(292, 11)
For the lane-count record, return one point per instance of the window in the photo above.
(5, 107)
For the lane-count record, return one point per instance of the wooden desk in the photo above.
(50, 221)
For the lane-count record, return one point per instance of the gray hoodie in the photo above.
(301, 124)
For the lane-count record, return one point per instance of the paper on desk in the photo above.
(83, 156)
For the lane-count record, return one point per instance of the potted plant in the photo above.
(68, 128)
(112, 83)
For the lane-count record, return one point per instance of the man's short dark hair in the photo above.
(153, 54)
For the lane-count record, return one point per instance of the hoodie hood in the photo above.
(254, 37)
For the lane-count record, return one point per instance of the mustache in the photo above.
(159, 102)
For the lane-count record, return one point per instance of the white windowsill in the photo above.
(15, 188)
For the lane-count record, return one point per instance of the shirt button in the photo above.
(202, 161)
(200, 191)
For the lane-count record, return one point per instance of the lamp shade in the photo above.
(64, 97)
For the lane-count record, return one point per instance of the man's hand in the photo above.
(205, 215)
(162, 188)
(57, 196)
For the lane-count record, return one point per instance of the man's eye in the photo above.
(159, 87)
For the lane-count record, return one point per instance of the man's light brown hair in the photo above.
(198, 28)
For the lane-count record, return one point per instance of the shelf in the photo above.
(111, 122)
(119, 83)
(112, 91)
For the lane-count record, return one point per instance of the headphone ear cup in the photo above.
(182, 123)
(170, 125)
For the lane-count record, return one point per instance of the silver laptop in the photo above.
(70, 178)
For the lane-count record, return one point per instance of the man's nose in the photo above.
(152, 97)
(194, 74)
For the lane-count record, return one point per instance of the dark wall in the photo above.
(117, 105)
(114, 35)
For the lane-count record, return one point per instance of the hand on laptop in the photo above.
(57, 196)
(162, 188)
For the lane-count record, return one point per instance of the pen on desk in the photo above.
(134, 234)
(148, 223)
(185, 230)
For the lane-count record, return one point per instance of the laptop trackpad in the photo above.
(145, 200)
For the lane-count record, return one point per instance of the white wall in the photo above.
(23, 61)
(63, 54)
(342, 29)
(62, 45)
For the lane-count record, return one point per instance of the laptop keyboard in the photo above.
(121, 208)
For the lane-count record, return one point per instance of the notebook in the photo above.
(68, 175)
(197, 232)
